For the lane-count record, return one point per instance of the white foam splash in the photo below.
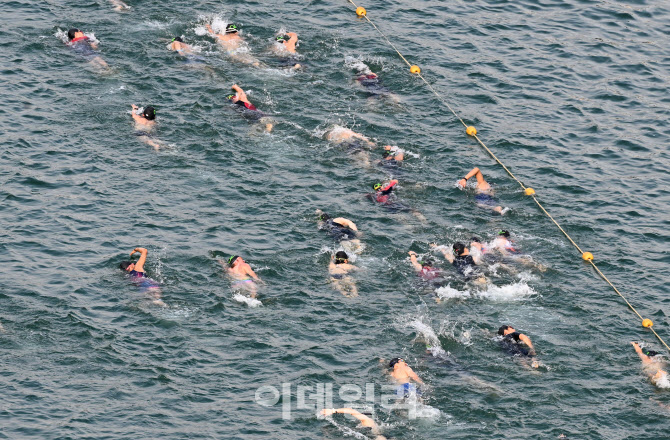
(356, 64)
(448, 292)
(251, 302)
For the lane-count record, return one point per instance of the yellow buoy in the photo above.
(530, 192)
(415, 69)
(361, 12)
(471, 131)
(647, 323)
(587, 256)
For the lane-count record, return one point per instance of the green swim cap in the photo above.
(377, 186)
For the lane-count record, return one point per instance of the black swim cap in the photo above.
(177, 39)
(475, 240)
(340, 257)
(149, 113)
(503, 233)
(282, 38)
(71, 32)
(428, 263)
(395, 361)
(232, 260)
(231, 28)
(458, 248)
(324, 217)
(125, 264)
(501, 330)
(650, 353)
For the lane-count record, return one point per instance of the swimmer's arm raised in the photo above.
(134, 114)
(290, 44)
(413, 260)
(211, 31)
(240, 93)
(638, 350)
(414, 376)
(252, 274)
(139, 266)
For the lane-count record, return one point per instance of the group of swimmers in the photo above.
(465, 259)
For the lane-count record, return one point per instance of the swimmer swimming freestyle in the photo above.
(464, 263)
(366, 421)
(484, 193)
(403, 375)
(177, 45)
(139, 276)
(653, 366)
(242, 275)
(85, 47)
(517, 344)
(339, 270)
(145, 123)
(234, 45)
(285, 46)
(248, 109)
(341, 229)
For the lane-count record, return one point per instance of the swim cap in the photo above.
(230, 96)
(177, 39)
(71, 32)
(504, 233)
(149, 113)
(340, 257)
(232, 260)
(395, 361)
(377, 186)
(475, 240)
(458, 248)
(231, 28)
(125, 264)
(650, 353)
(501, 330)
(324, 217)
(428, 263)
(282, 38)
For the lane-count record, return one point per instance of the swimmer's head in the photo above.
(458, 249)
(377, 186)
(475, 240)
(232, 28)
(282, 38)
(177, 39)
(127, 266)
(395, 361)
(427, 263)
(232, 260)
(324, 217)
(503, 233)
(341, 257)
(505, 329)
(149, 113)
(230, 97)
(72, 33)
(650, 353)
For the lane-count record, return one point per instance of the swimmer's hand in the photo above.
(412, 253)
(535, 363)
(461, 185)
(327, 412)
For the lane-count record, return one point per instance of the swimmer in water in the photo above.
(242, 275)
(177, 44)
(342, 230)
(339, 269)
(86, 47)
(371, 83)
(231, 41)
(652, 366)
(464, 263)
(286, 45)
(484, 192)
(517, 343)
(392, 156)
(145, 123)
(139, 276)
(425, 269)
(366, 421)
(403, 375)
(505, 247)
(249, 110)
(383, 192)
(356, 144)
(119, 5)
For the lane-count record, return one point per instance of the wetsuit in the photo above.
(486, 200)
(340, 232)
(429, 273)
(383, 194)
(82, 46)
(372, 84)
(249, 111)
(512, 344)
(464, 264)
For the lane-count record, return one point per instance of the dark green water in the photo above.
(573, 95)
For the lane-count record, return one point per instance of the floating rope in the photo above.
(472, 131)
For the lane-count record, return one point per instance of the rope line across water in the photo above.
(587, 256)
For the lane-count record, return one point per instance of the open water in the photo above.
(573, 95)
